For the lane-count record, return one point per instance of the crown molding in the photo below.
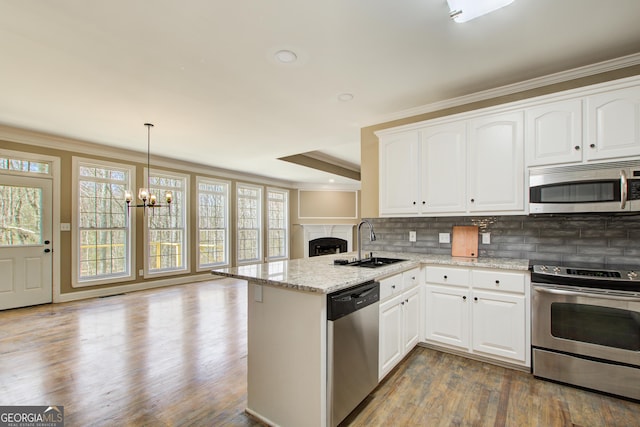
(560, 77)
(76, 146)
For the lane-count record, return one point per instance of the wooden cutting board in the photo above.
(465, 241)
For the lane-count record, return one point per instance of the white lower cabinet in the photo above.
(399, 323)
(498, 324)
(486, 316)
(447, 315)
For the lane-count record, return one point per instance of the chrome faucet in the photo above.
(372, 236)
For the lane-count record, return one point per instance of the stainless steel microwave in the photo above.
(603, 187)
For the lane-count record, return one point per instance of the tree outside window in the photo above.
(249, 223)
(278, 223)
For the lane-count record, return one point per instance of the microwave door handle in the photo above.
(623, 189)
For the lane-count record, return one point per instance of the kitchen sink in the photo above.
(375, 262)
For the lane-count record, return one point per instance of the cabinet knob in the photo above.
(414, 203)
(464, 297)
(475, 298)
(473, 200)
(393, 286)
(407, 301)
(577, 148)
(424, 203)
(445, 277)
(402, 303)
(497, 282)
(592, 145)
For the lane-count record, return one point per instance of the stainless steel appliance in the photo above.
(603, 187)
(586, 327)
(352, 341)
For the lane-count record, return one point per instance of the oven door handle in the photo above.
(623, 189)
(613, 297)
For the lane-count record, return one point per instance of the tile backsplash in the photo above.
(575, 239)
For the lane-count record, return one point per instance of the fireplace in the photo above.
(332, 238)
(326, 246)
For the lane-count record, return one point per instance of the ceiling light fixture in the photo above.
(144, 194)
(286, 56)
(466, 10)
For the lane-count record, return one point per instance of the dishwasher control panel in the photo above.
(346, 301)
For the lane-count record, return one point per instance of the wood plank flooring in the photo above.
(177, 357)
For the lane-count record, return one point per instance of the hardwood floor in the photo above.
(177, 357)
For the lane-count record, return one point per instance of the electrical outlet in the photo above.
(141, 272)
(486, 238)
(444, 238)
(412, 236)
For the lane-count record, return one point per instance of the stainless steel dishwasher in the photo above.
(352, 341)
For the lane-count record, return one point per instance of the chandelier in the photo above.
(144, 193)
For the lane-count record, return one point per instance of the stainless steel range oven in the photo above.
(586, 328)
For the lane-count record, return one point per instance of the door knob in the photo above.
(46, 242)
(46, 251)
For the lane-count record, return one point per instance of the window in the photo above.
(167, 226)
(12, 164)
(249, 200)
(103, 238)
(277, 223)
(213, 228)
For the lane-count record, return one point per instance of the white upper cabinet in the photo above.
(613, 124)
(554, 133)
(474, 163)
(399, 173)
(444, 167)
(496, 163)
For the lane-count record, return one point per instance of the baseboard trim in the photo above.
(103, 292)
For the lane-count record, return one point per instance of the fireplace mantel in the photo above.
(315, 231)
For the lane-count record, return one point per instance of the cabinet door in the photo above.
(496, 163)
(554, 133)
(444, 168)
(498, 325)
(447, 316)
(391, 346)
(613, 124)
(399, 177)
(411, 314)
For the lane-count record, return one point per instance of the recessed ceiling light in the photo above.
(332, 180)
(345, 97)
(286, 56)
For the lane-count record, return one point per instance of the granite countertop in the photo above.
(319, 274)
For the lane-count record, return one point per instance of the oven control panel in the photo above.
(625, 280)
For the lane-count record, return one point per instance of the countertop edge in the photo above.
(342, 277)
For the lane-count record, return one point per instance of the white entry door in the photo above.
(25, 241)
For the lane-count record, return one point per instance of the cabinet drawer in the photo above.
(498, 281)
(410, 278)
(448, 276)
(390, 286)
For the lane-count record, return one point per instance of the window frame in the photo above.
(186, 224)
(260, 229)
(77, 162)
(286, 224)
(227, 213)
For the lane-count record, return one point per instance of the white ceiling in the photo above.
(204, 73)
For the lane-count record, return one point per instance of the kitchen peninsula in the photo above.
(287, 326)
